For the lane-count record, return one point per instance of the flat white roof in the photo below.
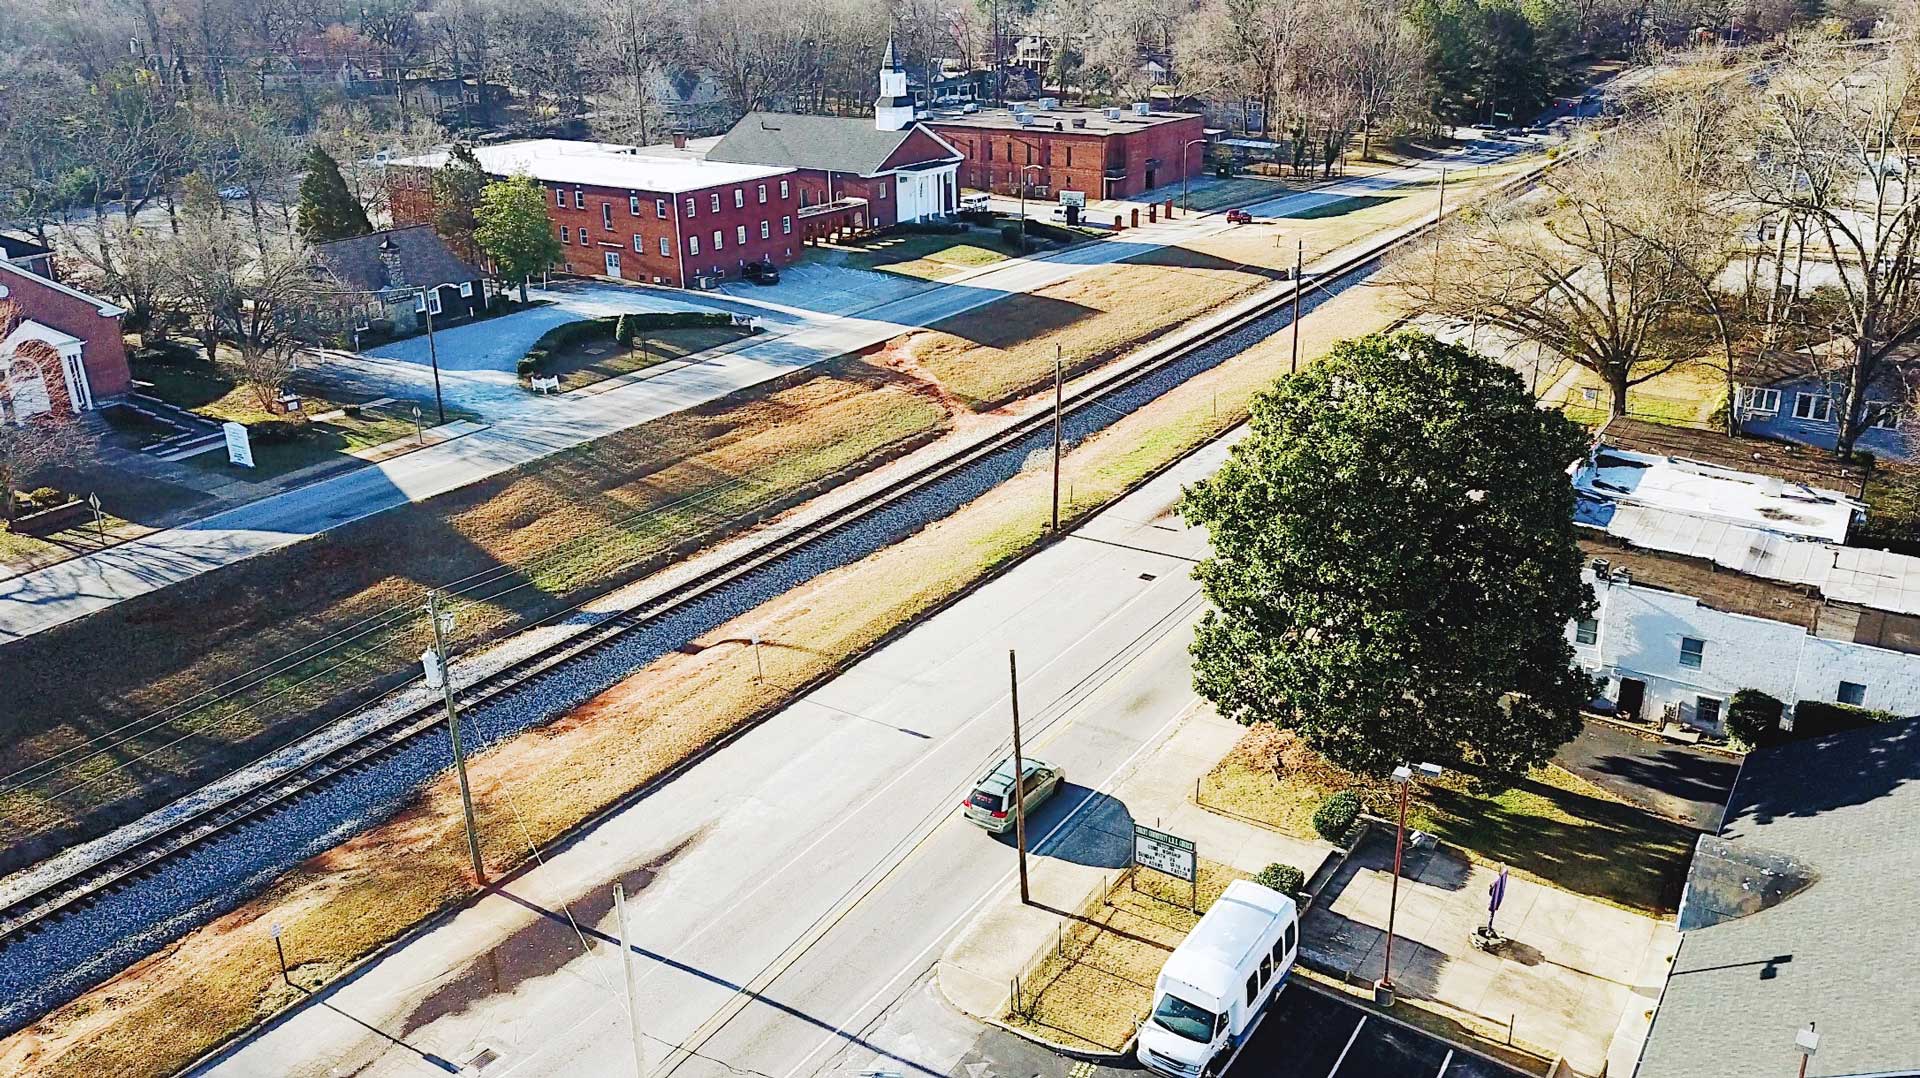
(1710, 492)
(605, 164)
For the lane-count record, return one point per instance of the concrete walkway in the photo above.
(1577, 977)
(976, 973)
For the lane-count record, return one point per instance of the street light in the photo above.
(1024, 169)
(1806, 1042)
(1402, 777)
(1186, 202)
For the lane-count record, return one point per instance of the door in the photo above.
(1151, 171)
(613, 263)
(1633, 697)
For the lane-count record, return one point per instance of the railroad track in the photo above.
(45, 907)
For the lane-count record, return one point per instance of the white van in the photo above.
(1216, 983)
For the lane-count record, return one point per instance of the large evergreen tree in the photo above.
(328, 210)
(514, 231)
(1394, 563)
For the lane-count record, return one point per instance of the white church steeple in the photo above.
(893, 110)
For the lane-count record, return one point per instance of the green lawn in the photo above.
(1552, 826)
(327, 440)
(578, 365)
(1238, 190)
(1340, 208)
(914, 254)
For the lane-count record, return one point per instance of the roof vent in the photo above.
(1057, 126)
(1079, 121)
(1142, 108)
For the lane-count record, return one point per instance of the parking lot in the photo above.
(1309, 1033)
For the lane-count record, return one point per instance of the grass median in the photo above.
(126, 708)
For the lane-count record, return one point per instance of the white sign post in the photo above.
(1170, 854)
(1074, 198)
(239, 448)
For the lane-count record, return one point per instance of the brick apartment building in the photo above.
(64, 350)
(1106, 153)
(622, 213)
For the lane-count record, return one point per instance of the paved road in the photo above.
(1683, 783)
(789, 890)
(537, 427)
(1314, 1034)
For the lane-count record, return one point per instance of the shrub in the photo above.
(1817, 718)
(1753, 718)
(624, 330)
(1335, 816)
(273, 431)
(532, 363)
(1285, 879)
(1010, 235)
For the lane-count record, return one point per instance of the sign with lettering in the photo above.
(239, 448)
(1166, 853)
(1073, 198)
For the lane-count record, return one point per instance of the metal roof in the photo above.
(604, 164)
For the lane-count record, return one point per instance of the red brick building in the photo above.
(623, 213)
(1105, 153)
(62, 349)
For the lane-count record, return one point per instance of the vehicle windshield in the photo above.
(990, 801)
(1188, 1020)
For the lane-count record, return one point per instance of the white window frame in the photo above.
(606, 216)
(739, 198)
(1840, 694)
(690, 205)
(884, 186)
(666, 248)
(784, 190)
(763, 194)
(579, 198)
(1699, 654)
(559, 198)
(786, 226)
(1889, 417)
(1758, 400)
(1719, 708)
(1586, 632)
(660, 208)
(1802, 407)
(633, 204)
(719, 240)
(639, 244)
(766, 229)
(740, 235)
(713, 200)
(693, 243)
(466, 289)
(427, 301)
(586, 238)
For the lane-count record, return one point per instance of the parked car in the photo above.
(761, 273)
(989, 804)
(1211, 990)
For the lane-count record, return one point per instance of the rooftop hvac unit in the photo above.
(1048, 104)
(1113, 114)
(1025, 118)
(1079, 121)
(1142, 108)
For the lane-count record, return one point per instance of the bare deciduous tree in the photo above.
(35, 430)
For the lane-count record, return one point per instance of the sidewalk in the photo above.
(1070, 867)
(1576, 977)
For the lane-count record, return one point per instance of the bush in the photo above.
(1285, 879)
(624, 330)
(532, 363)
(1010, 235)
(933, 228)
(1817, 718)
(1335, 816)
(1753, 718)
(274, 431)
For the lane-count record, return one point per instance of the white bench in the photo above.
(546, 385)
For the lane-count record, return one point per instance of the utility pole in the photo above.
(453, 729)
(433, 355)
(1056, 440)
(633, 984)
(1299, 265)
(1019, 791)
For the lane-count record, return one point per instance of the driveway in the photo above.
(1686, 784)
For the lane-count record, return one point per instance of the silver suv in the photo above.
(989, 805)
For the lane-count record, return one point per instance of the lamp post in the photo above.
(427, 298)
(1402, 777)
(1186, 201)
(1806, 1042)
(1024, 169)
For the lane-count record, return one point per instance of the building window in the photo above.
(1586, 631)
(883, 188)
(763, 194)
(783, 189)
(564, 234)
(714, 201)
(639, 246)
(689, 207)
(606, 216)
(766, 229)
(579, 199)
(559, 198)
(718, 240)
(585, 240)
(1854, 693)
(739, 198)
(1069, 155)
(466, 289)
(786, 226)
(1706, 711)
(1693, 652)
(740, 234)
(1813, 407)
(1761, 401)
(666, 249)
(693, 245)
(660, 208)
(633, 204)
(1883, 415)
(427, 301)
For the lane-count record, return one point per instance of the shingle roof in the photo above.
(836, 143)
(425, 260)
(20, 247)
(1822, 845)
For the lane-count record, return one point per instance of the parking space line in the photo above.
(1444, 1064)
(1349, 1047)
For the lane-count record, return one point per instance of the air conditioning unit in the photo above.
(1142, 108)
(1113, 114)
(1048, 104)
(1025, 118)
(1079, 121)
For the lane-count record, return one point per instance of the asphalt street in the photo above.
(787, 891)
(536, 427)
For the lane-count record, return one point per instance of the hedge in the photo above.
(1285, 879)
(1336, 815)
(1817, 718)
(622, 328)
(1753, 718)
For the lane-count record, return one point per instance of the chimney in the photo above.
(390, 258)
(679, 140)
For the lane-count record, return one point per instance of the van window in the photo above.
(1279, 951)
(1253, 987)
(1183, 1019)
(1290, 937)
(1266, 968)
